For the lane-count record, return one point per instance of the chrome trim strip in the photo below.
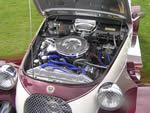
(85, 10)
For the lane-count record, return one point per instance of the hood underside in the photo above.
(119, 8)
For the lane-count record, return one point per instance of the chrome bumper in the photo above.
(5, 107)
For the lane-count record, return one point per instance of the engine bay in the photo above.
(74, 50)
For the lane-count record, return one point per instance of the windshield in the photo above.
(114, 6)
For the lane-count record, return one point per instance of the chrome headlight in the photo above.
(8, 77)
(110, 97)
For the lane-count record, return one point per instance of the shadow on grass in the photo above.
(13, 57)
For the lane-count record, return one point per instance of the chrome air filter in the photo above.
(72, 46)
(46, 104)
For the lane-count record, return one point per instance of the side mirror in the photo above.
(139, 15)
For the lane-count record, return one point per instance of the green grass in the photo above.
(15, 34)
(144, 32)
(14, 26)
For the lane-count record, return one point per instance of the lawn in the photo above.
(14, 26)
(144, 35)
(15, 34)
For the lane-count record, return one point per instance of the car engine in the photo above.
(75, 50)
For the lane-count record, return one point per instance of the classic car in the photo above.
(85, 58)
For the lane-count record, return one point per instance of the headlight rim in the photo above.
(12, 76)
(112, 87)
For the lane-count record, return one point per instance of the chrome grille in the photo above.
(46, 104)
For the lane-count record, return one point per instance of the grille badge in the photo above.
(50, 89)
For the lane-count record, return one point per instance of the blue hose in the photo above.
(53, 56)
(71, 67)
(60, 63)
(101, 59)
(56, 67)
(108, 57)
(83, 71)
(56, 64)
(49, 64)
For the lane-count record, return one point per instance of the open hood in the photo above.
(119, 8)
